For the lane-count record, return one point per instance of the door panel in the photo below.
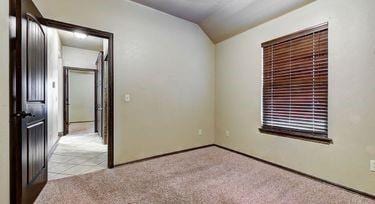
(35, 61)
(99, 95)
(34, 109)
(66, 100)
(35, 146)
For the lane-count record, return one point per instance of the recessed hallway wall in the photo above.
(53, 87)
(81, 58)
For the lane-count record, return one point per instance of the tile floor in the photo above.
(78, 153)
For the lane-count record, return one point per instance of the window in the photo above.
(295, 84)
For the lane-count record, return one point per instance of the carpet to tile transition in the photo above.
(208, 175)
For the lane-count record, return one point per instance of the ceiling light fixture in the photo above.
(80, 35)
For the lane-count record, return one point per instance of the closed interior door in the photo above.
(66, 100)
(81, 96)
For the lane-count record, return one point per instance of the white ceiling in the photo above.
(221, 19)
(90, 43)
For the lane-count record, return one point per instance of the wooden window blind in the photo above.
(295, 84)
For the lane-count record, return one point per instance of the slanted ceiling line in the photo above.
(222, 19)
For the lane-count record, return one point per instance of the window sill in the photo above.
(296, 135)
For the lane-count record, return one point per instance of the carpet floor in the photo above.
(208, 175)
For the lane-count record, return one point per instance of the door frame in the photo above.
(66, 91)
(109, 36)
(15, 11)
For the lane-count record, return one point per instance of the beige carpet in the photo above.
(209, 175)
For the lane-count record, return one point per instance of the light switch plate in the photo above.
(127, 98)
(372, 165)
(200, 132)
(227, 133)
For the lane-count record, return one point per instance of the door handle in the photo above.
(23, 114)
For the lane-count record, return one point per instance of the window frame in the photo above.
(286, 132)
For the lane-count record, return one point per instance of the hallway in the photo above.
(78, 153)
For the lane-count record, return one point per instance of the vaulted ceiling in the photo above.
(221, 19)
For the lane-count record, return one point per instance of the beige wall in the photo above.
(4, 102)
(165, 63)
(351, 94)
(81, 58)
(81, 96)
(54, 66)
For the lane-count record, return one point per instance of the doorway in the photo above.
(108, 69)
(29, 120)
(81, 101)
(81, 91)
(82, 148)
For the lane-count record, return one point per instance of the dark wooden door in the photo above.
(28, 119)
(66, 100)
(99, 95)
(33, 116)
